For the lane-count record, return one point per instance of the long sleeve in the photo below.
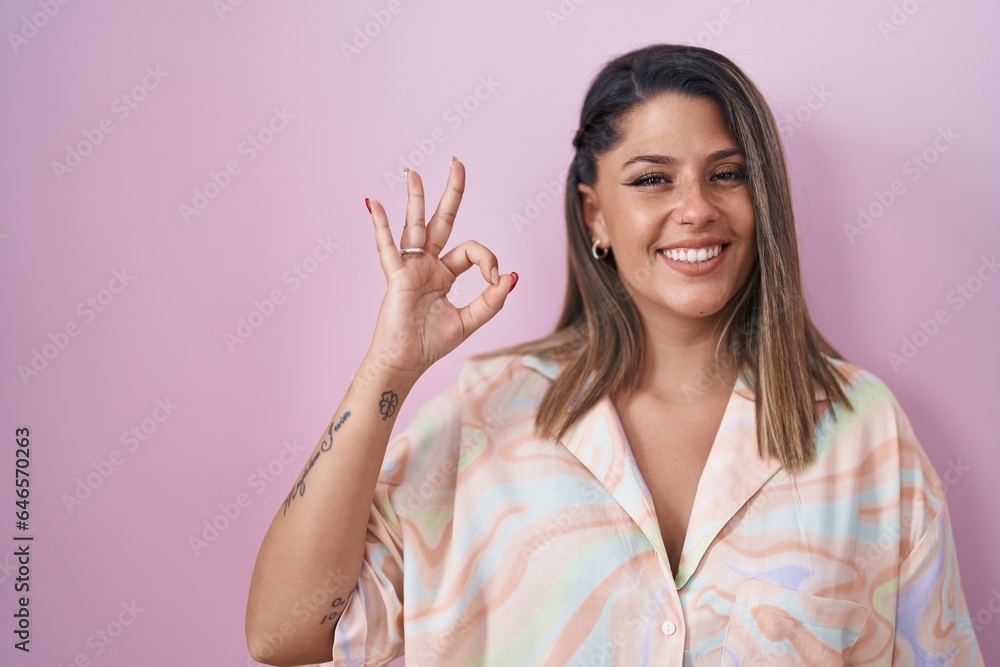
(933, 626)
(371, 629)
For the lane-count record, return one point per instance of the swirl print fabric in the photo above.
(490, 546)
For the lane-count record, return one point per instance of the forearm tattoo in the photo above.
(300, 486)
(387, 406)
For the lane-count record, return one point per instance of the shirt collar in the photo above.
(733, 472)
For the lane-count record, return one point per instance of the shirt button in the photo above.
(668, 628)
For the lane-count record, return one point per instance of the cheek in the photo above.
(636, 242)
(740, 210)
(636, 276)
(748, 253)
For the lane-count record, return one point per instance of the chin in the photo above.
(698, 314)
(693, 311)
(693, 305)
(671, 300)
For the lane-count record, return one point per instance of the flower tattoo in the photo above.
(387, 406)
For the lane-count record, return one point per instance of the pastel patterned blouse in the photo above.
(489, 546)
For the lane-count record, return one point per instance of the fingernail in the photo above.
(496, 275)
(368, 205)
(513, 274)
(452, 159)
(405, 174)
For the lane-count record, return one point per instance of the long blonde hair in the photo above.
(766, 325)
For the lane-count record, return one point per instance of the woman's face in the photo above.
(672, 203)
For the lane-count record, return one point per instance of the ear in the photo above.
(592, 214)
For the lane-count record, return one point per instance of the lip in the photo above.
(697, 268)
(695, 244)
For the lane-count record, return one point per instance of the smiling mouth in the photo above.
(692, 255)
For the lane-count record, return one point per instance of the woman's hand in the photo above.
(417, 325)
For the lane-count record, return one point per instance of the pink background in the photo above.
(862, 99)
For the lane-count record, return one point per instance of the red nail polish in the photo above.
(368, 205)
(513, 274)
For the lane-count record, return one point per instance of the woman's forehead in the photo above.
(665, 134)
(674, 116)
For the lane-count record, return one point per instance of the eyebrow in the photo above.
(667, 159)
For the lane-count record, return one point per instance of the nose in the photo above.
(694, 204)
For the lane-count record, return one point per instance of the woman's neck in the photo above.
(679, 360)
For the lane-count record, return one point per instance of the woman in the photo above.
(684, 472)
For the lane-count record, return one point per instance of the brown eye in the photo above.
(650, 178)
(732, 175)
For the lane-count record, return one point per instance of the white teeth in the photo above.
(692, 255)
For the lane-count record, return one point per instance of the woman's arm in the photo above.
(315, 544)
(316, 541)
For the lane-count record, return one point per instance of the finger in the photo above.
(414, 230)
(460, 258)
(388, 254)
(440, 226)
(486, 305)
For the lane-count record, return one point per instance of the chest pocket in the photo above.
(771, 626)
